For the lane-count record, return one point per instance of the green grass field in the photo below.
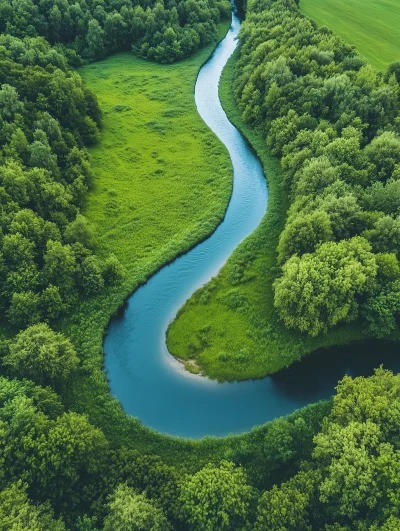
(162, 180)
(373, 26)
(246, 339)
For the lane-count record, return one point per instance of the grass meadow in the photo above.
(373, 26)
(162, 179)
(246, 339)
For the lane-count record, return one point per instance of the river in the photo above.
(148, 381)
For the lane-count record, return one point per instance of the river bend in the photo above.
(148, 381)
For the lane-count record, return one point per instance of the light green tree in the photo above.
(24, 308)
(376, 398)
(41, 354)
(303, 233)
(79, 230)
(17, 513)
(95, 39)
(318, 291)
(10, 104)
(283, 508)
(130, 511)
(216, 499)
(346, 452)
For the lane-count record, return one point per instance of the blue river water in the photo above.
(148, 381)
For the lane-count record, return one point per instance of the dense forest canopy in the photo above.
(163, 31)
(335, 124)
(334, 121)
(47, 118)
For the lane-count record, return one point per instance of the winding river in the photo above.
(148, 381)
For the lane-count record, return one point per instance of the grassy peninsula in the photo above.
(246, 338)
(315, 275)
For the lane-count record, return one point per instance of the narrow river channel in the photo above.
(148, 381)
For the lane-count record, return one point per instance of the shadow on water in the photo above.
(322, 369)
(148, 381)
(239, 8)
(121, 311)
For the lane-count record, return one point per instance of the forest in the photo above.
(334, 123)
(94, 29)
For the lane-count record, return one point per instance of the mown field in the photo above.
(247, 339)
(373, 26)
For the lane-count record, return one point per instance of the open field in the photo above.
(247, 339)
(162, 180)
(373, 26)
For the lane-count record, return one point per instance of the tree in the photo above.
(90, 132)
(59, 266)
(90, 277)
(10, 104)
(376, 399)
(57, 454)
(15, 182)
(50, 126)
(79, 230)
(286, 442)
(18, 251)
(382, 308)
(384, 153)
(42, 156)
(318, 291)
(18, 148)
(24, 309)
(391, 524)
(316, 175)
(113, 270)
(343, 210)
(130, 511)
(42, 355)
(51, 303)
(303, 233)
(17, 513)
(95, 40)
(283, 509)
(384, 197)
(75, 451)
(361, 469)
(147, 474)
(216, 498)
(393, 70)
(385, 235)
(86, 524)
